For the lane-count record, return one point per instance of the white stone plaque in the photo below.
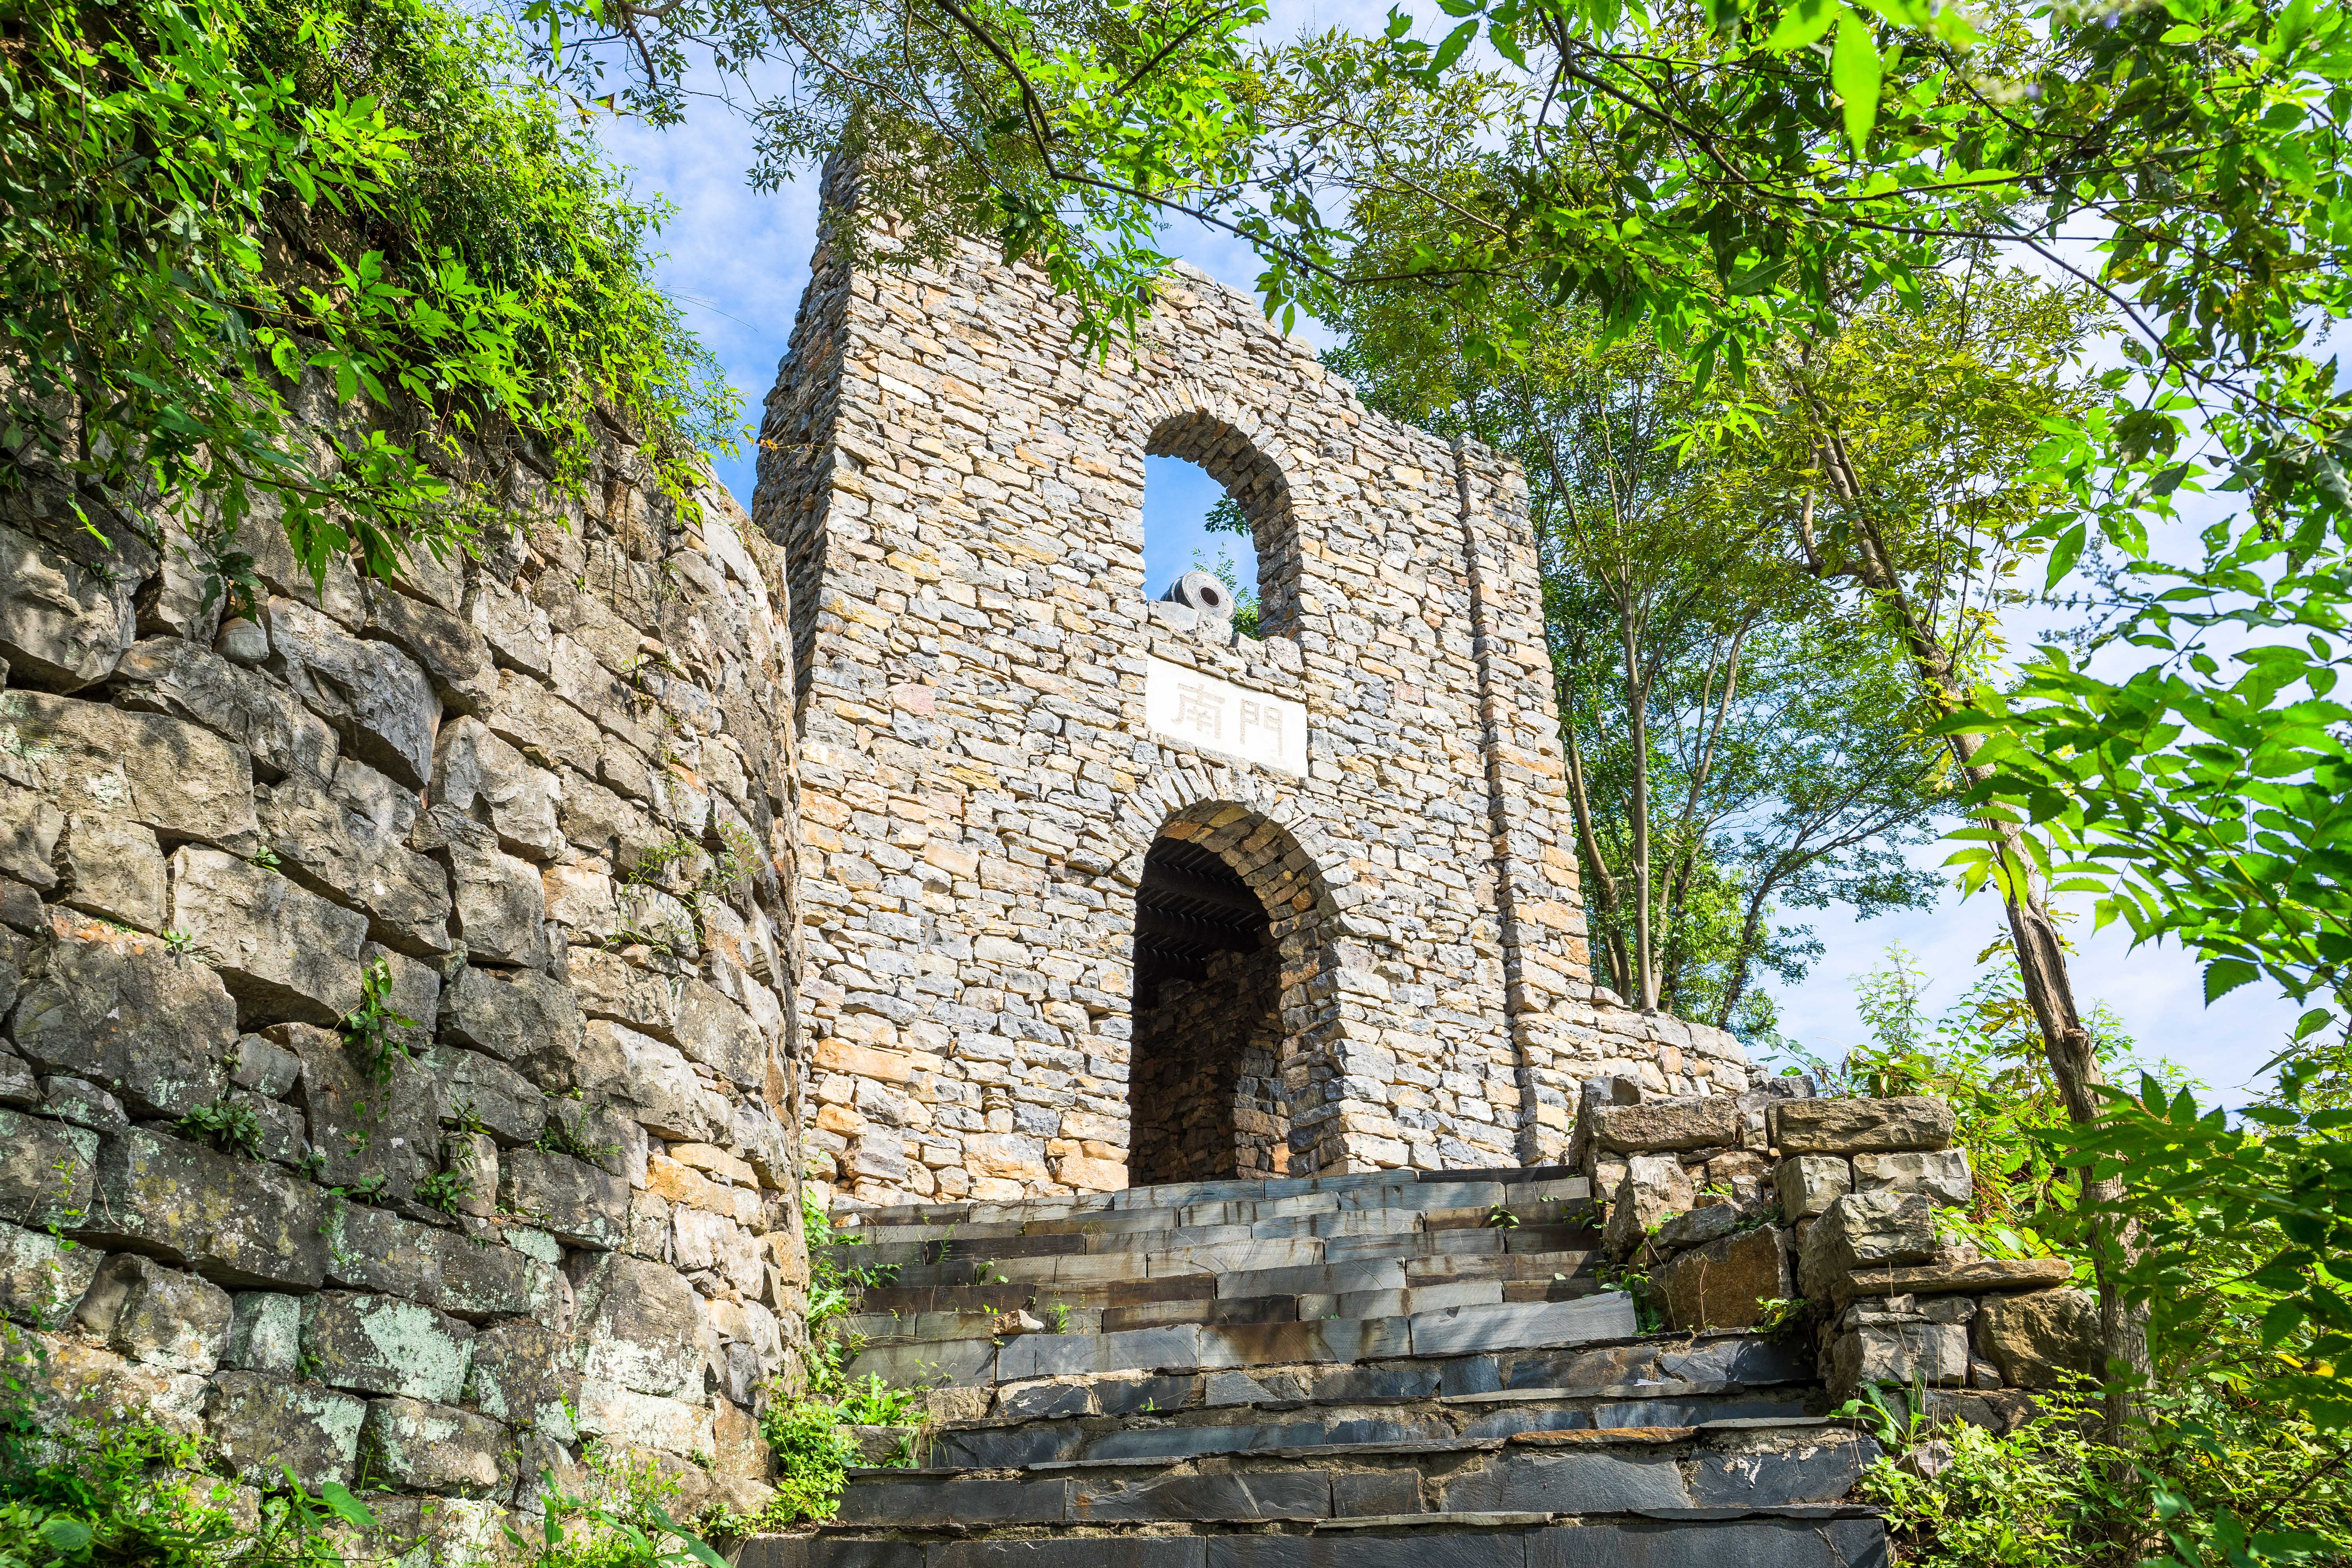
(1218, 716)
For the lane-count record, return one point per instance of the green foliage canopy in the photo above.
(205, 203)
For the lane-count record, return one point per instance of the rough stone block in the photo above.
(640, 1328)
(262, 1422)
(1949, 1276)
(1808, 1183)
(157, 1315)
(2037, 1340)
(1861, 1126)
(1903, 1354)
(1780, 1477)
(527, 1374)
(112, 867)
(477, 773)
(624, 1417)
(373, 695)
(520, 1016)
(455, 658)
(1656, 1186)
(1865, 1230)
(501, 909)
(720, 1035)
(185, 681)
(1704, 1121)
(330, 843)
(1942, 1175)
(282, 951)
(63, 623)
(567, 1197)
(30, 826)
(180, 779)
(235, 1222)
(374, 1250)
(482, 1282)
(264, 1066)
(433, 1447)
(128, 1014)
(1723, 1284)
(83, 1103)
(78, 1374)
(381, 1344)
(477, 1087)
(48, 1171)
(372, 1125)
(42, 1279)
(265, 1333)
(662, 1090)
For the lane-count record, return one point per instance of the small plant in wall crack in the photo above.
(232, 1128)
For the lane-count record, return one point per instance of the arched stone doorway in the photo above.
(1227, 920)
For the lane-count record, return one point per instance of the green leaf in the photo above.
(1451, 49)
(2064, 552)
(1801, 23)
(1855, 73)
(2224, 976)
(346, 1507)
(61, 1534)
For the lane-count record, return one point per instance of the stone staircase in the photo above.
(1420, 1369)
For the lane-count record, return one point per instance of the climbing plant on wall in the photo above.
(207, 202)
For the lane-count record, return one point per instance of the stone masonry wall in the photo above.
(549, 792)
(1206, 1075)
(958, 484)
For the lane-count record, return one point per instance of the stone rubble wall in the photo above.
(1212, 1103)
(565, 1210)
(958, 483)
(1727, 1202)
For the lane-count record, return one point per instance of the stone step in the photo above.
(1181, 1195)
(987, 1317)
(1550, 1470)
(1280, 1425)
(1073, 1260)
(1805, 1536)
(1465, 1202)
(1202, 1347)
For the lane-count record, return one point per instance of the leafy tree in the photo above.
(1732, 739)
(210, 201)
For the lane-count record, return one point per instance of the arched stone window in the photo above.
(1229, 939)
(1258, 488)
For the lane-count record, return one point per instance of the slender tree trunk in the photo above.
(1638, 730)
(2041, 955)
(1607, 897)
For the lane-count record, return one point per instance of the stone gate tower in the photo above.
(1095, 890)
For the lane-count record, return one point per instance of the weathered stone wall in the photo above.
(1206, 1075)
(959, 485)
(549, 791)
(1728, 1203)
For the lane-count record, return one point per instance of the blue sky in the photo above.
(737, 261)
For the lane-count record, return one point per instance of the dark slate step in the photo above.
(1372, 1188)
(1742, 1463)
(1799, 1537)
(994, 1311)
(1136, 1433)
(1444, 1203)
(1067, 1261)
(1193, 1347)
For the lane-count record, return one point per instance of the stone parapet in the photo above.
(531, 808)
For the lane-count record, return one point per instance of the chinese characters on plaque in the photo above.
(1218, 716)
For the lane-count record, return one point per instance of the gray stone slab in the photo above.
(1043, 1401)
(1569, 1483)
(1691, 1412)
(990, 1447)
(1293, 1495)
(1399, 1380)
(848, 1552)
(1141, 1396)
(1356, 1493)
(1065, 1551)
(1746, 1359)
(1407, 1548)
(954, 1363)
(1520, 1324)
(1315, 1280)
(1720, 1543)
(1042, 1500)
(1823, 1473)
(1513, 1419)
